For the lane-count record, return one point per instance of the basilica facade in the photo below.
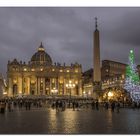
(40, 76)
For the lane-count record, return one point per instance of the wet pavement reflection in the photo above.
(84, 121)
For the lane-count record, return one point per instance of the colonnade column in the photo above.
(43, 86)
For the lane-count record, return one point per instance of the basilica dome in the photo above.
(41, 57)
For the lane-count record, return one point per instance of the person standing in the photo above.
(12, 106)
(77, 106)
(9, 106)
(57, 106)
(93, 105)
(113, 106)
(118, 107)
(73, 105)
(106, 105)
(3, 106)
(97, 105)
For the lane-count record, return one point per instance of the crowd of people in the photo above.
(61, 104)
(11, 104)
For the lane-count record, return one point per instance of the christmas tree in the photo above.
(132, 81)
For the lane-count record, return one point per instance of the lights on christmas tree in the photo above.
(131, 51)
(132, 81)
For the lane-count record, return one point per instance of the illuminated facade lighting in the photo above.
(32, 69)
(36, 82)
(68, 70)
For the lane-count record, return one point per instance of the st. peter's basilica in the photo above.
(43, 77)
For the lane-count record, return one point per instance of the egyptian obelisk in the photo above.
(96, 62)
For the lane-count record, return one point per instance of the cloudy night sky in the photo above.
(67, 34)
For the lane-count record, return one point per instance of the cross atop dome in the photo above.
(41, 48)
(96, 25)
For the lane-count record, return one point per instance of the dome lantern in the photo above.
(41, 48)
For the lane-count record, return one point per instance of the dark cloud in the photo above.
(67, 34)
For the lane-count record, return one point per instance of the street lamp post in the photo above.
(110, 95)
(84, 93)
(54, 91)
(70, 86)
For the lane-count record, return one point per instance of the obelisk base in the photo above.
(97, 90)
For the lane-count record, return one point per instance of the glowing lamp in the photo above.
(4, 93)
(110, 94)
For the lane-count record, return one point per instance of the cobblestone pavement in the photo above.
(85, 121)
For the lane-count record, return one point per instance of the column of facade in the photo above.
(24, 85)
(57, 86)
(38, 86)
(10, 91)
(58, 90)
(62, 83)
(50, 85)
(76, 86)
(43, 86)
(73, 88)
(64, 87)
(20, 85)
(28, 85)
(80, 87)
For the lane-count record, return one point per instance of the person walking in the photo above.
(9, 106)
(26, 105)
(57, 106)
(63, 106)
(73, 105)
(53, 105)
(77, 106)
(106, 105)
(93, 105)
(97, 105)
(118, 107)
(12, 106)
(60, 105)
(29, 105)
(113, 106)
